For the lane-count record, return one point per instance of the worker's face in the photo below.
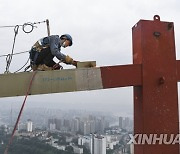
(66, 43)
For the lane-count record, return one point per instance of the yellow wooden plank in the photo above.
(86, 64)
(88, 79)
(50, 82)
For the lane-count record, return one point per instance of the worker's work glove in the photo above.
(57, 67)
(68, 60)
(74, 63)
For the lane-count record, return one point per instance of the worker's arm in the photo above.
(55, 49)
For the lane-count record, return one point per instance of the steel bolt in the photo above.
(162, 80)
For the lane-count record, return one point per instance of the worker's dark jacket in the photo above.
(44, 50)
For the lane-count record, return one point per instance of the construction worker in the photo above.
(45, 49)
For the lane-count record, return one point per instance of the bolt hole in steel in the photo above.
(157, 34)
(170, 25)
(157, 17)
(162, 80)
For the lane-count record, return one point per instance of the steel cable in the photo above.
(16, 28)
(9, 56)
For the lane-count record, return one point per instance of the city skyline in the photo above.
(41, 115)
(38, 123)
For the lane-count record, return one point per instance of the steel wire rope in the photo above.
(18, 53)
(25, 70)
(31, 24)
(16, 28)
(22, 66)
(9, 56)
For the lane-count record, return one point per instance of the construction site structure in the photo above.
(154, 75)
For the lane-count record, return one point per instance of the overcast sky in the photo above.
(101, 30)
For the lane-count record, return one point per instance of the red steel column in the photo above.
(156, 101)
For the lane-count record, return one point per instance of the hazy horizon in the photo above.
(101, 31)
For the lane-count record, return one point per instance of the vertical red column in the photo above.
(156, 101)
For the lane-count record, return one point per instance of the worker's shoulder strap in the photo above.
(41, 44)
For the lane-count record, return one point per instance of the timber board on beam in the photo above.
(50, 82)
(70, 80)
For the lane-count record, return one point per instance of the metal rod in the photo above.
(48, 28)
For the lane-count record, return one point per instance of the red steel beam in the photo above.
(156, 101)
(178, 70)
(121, 76)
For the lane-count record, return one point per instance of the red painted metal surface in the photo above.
(120, 76)
(178, 70)
(156, 101)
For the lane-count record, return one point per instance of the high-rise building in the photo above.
(99, 145)
(86, 141)
(88, 128)
(29, 125)
(58, 123)
(75, 125)
(92, 126)
(52, 126)
(126, 122)
(85, 128)
(120, 122)
(100, 125)
(54, 122)
(67, 124)
(22, 126)
(131, 148)
(80, 141)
